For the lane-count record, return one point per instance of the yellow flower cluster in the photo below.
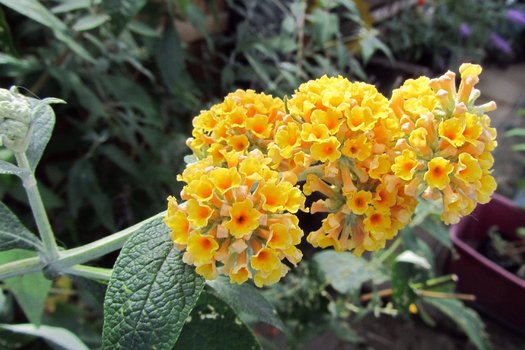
(237, 220)
(343, 137)
(370, 159)
(446, 148)
(244, 121)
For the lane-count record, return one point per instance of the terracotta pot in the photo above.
(498, 291)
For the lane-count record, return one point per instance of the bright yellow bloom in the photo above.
(259, 126)
(357, 147)
(437, 175)
(452, 130)
(198, 214)
(244, 218)
(177, 221)
(405, 165)
(265, 260)
(280, 237)
(208, 271)
(468, 169)
(202, 248)
(239, 142)
(288, 137)
(225, 179)
(330, 119)
(240, 275)
(201, 189)
(326, 150)
(359, 202)
(266, 278)
(318, 132)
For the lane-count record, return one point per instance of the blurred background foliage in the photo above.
(135, 72)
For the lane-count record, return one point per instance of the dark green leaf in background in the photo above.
(29, 290)
(121, 12)
(13, 233)
(170, 58)
(247, 302)
(151, 292)
(6, 41)
(213, 325)
(466, 318)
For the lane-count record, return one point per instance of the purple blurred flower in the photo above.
(500, 43)
(516, 16)
(465, 30)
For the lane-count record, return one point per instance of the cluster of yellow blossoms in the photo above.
(370, 159)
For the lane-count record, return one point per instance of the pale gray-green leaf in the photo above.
(347, 272)
(71, 5)
(151, 292)
(10, 168)
(60, 337)
(41, 128)
(247, 302)
(13, 233)
(29, 290)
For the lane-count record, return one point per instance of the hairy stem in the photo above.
(93, 273)
(37, 207)
(71, 257)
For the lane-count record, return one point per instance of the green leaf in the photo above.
(141, 28)
(90, 22)
(57, 336)
(42, 128)
(466, 319)
(34, 10)
(170, 58)
(247, 302)
(347, 272)
(13, 341)
(71, 5)
(435, 227)
(6, 40)
(10, 168)
(150, 294)
(13, 234)
(213, 325)
(29, 290)
(121, 12)
(408, 268)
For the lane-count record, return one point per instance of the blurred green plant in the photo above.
(333, 291)
(278, 44)
(439, 34)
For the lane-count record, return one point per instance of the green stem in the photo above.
(75, 256)
(101, 247)
(20, 267)
(94, 273)
(391, 250)
(37, 207)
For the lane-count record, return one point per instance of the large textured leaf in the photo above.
(60, 337)
(466, 319)
(150, 294)
(13, 234)
(121, 12)
(345, 271)
(29, 290)
(42, 128)
(247, 302)
(213, 325)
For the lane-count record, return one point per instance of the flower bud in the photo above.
(15, 120)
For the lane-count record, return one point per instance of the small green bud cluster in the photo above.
(15, 120)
